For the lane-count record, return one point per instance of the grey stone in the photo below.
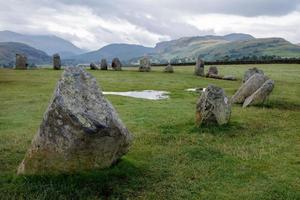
(21, 62)
(169, 68)
(103, 65)
(116, 64)
(199, 68)
(215, 76)
(213, 70)
(145, 65)
(248, 88)
(251, 72)
(80, 129)
(260, 95)
(213, 107)
(56, 61)
(229, 78)
(93, 66)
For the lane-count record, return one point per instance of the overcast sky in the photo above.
(91, 24)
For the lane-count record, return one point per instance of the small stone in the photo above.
(199, 68)
(251, 72)
(249, 87)
(169, 68)
(56, 61)
(116, 64)
(21, 61)
(229, 78)
(103, 65)
(213, 107)
(80, 129)
(145, 65)
(213, 70)
(93, 66)
(215, 76)
(260, 95)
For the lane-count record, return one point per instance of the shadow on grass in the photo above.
(281, 105)
(232, 129)
(119, 181)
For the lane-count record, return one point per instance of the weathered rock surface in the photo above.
(260, 95)
(251, 72)
(145, 65)
(229, 78)
(116, 64)
(56, 61)
(213, 107)
(249, 87)
(215, 76)
(213, 70)
(93, 66)
(103, 65)
(21, 61)
(169, 68)
(80, 129)
(199, 68)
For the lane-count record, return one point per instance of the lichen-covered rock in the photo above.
(56, 61)
(213, 107)
(169, 68)
(213, 70)
(251, 72)
(229, 78)
(93, 66)
(103, 65)
(199, 68)
(21, 61)
(80, 129)
(260, 95)
(248, 88)
(145, 65)
(116, 64)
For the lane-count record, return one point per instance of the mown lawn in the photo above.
(256, 156)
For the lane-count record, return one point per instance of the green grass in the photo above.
(255, 156)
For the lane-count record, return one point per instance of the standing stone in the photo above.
(199, 68)
(213, 107)
(56, 61)
(169, 68)
(93, 66)
(145, 65)
(261, 94)
(251, 72)
(249, 87)
(80, 129)
(213, 70)
(103, 65)
(21, 61)
(116, 64)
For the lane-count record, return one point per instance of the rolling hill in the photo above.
(47, 43)
(8, 51)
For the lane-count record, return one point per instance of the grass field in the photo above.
(256, 156)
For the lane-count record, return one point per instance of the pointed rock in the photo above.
(169, 68)
(80, 129)
(56, 61)
(250, 72)
(145, 65)
(199, 68)
(103, 65)
(116, 64)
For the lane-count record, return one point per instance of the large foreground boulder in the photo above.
(213, 107)
(116, 64)
(56, 61)
(169, 68)
(251, 72)
(260, 95)
(103, 65)
(199, 68)
(80, 129)
(21, 62)
(248, 88)
(145, 65)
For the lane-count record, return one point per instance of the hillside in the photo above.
(47, 43)
(8, 51)
(125, 52)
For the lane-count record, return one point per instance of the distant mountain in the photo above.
(124, 52)
(47, 43)
(8, 51)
